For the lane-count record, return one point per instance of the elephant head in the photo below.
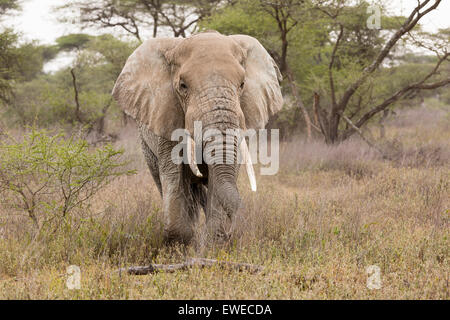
(226, 82)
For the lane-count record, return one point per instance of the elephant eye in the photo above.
(183, 85)
(242, 85)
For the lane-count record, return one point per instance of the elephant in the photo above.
(226, 82)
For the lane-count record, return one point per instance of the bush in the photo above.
(48, 177)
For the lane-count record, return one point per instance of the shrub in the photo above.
(48, 177)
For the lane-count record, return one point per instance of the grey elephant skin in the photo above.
(226, 82)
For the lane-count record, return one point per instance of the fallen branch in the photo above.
(192, 262)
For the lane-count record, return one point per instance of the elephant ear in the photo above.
(144, 88)
(262, 96)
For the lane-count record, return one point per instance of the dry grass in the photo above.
(315, 227)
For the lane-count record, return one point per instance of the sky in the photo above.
(38, 21)
(438, 19)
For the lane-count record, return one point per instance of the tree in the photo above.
(8, 55)
(9, 61)
(287, 15)
(278, 19)
(107, 13)
(32, 57)
(179, 16)
(19, 61)
(183, 15)
(325, 50)
(7, 5)
(331, 119)
(105, 57)
(78, 95)
(48, 177)
(74, 41)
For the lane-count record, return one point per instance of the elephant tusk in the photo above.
(248, 164)
(191, 158)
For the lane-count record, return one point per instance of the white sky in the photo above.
(37, 21)
(437, 19)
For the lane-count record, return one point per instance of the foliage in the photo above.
(326, 48)
(32, 57)
(44, 101)
(9, 60)
(73, 41)
(6, 5)
(133, 16)
(49, 177)
(8, 56)
(48, 99)
(301, 35)
(20, 63)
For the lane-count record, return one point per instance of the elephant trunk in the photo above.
(220, 149)
(223, 196)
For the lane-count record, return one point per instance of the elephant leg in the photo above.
(152, 163)
(181, 210)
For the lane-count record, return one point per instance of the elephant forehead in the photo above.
(211, 46)
(218, 71)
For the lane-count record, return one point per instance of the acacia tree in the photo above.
(6, 5)
(330, 119)
(109, 14)
(349, 36)
(325, 49)
(76, 95)
(9, 57)
(347, 60)
(179, 16)
(287, 15)
(275, 23)
(104, 56)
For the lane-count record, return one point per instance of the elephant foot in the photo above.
(219, 231)
(174, 236)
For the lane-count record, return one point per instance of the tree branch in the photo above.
(330, 67)
(358, 130)
(408, 25)
(421, 85)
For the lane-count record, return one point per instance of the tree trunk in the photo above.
(333, 129)
(299, 102)
(77, 102)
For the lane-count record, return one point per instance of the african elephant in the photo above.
(224, 82)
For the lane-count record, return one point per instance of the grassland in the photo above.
(315, 227)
